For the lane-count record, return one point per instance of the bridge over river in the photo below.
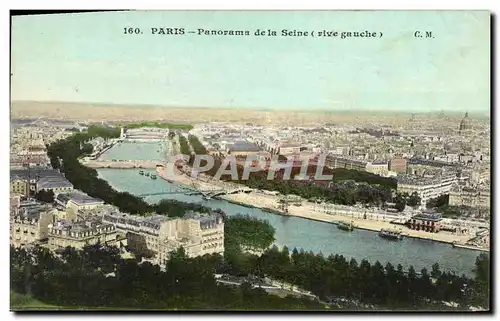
(205, 193)
(122, 164)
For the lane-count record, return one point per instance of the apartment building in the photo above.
(289, 149)
(55, 184)
(78, 201)
(30, 224)
(344, 162)
(80, 234)
(470, 196)
(18, 185)
(39, 178)
(140, 231)
(241, 148)
(426, 188)
(198, 234)
(397, 165)
(378, 167)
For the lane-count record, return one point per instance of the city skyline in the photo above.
(74, 58)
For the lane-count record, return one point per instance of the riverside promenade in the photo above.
(314, 212)
(122, 164)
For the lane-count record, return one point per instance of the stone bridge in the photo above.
(122, 164)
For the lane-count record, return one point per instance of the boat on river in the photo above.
(153, 176)
(346, 226)
(141, 172)
(146, 174)
(390, 234)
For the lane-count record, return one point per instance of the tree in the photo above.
(87, 149)
(400, 202)
(440, 202)
(435, 272)
(482, 280)
(414, 199)
(45, 196)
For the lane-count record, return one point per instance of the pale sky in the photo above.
(87, 58)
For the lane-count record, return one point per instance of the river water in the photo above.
(313, 235)
(141, 151)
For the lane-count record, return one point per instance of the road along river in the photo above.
(308, 234)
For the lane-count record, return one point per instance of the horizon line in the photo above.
(301, 109)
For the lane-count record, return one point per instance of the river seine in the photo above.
(312, 235)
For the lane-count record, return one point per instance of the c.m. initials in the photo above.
(420, 34)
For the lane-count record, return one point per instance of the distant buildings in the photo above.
(145, 133)
(289, 149)
(241, 148)
(333, 161)
(397, 165)
(465, 125)
(378, 167)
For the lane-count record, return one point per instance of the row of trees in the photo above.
(97, 277)
(64, 155)
(197, 146)
(184, 146)
(439, 202)
(388, 286)
(334, 276)
(403, 199)
(80, 279)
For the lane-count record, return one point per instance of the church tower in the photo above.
(465, 124)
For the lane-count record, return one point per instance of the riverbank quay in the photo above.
(121, 164)
(314, 212)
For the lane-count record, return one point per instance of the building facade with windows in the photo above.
(78, 201)
(80, 234)
(198, 234)
(55, 184)
(333, 161)
(18, 185)
(470, 196)
(30, 224)
(426, 188)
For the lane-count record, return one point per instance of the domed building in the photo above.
(465, 124)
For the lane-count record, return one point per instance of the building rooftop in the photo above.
(32, 212)
(35, 173)
(81, 226)
(241, 146)
(154, 221)
(78, 197)
(428, 216)
(53, 182)
(206, 220)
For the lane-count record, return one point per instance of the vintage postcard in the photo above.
(251, 161)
